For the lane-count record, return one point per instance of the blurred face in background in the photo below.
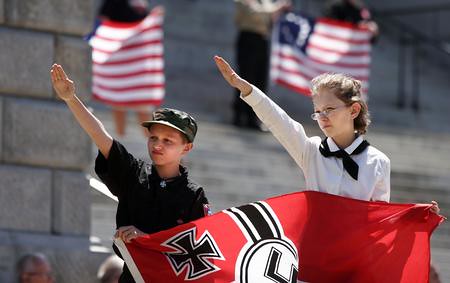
(37, 272)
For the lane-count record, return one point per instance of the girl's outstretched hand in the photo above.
(435, 208)
(231, 77)
(63, 86)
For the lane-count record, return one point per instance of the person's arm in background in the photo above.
(267, 7)
(369, 23)
(65, 89)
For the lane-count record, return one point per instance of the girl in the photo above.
(344, 163)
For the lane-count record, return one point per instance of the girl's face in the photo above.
(335, 117)
(166, 145)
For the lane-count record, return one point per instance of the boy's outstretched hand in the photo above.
(63, 86)
(231, 77)
(128, 233)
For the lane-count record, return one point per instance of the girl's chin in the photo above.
(326, 132)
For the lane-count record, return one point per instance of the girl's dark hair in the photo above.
(348, 90)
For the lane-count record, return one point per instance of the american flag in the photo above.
(303, 48)
(128, 63)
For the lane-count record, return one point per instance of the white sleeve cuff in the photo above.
(254, 97)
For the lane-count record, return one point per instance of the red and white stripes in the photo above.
(333, 47)
(128, 62)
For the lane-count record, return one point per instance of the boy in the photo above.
(152, 197)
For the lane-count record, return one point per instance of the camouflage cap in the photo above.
(176, 119)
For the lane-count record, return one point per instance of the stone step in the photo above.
(431, 155)
(406, 197)
(417, 196)
(250, 173)
(242, 188)
(439, 239)
(421, 181)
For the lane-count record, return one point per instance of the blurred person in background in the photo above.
(434, 275)
(352, 11)
(34, 268)
(110, 270)
(126, 11)
(254, 20)
(123, 10)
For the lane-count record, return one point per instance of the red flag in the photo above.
(306, 236)
(303, 48)
(127, 61)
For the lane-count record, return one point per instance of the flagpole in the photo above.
(128, 260)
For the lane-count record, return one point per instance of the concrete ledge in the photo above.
(44, 134)
(208, 30)
(2, 11)
(27, 57)
(71, 203)
(74, 54)
(7, 258)
(62, 16)
(25, 198)
(208, 23)
(183, 55)
(1, 128)
(183, 91)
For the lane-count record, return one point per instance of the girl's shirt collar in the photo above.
(333, 146)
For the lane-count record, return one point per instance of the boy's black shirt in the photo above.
(144, 201)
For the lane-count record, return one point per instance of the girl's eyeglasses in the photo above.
(325, 113)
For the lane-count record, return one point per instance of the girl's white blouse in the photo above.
(321, 173)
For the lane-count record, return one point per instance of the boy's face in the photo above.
(166, 145)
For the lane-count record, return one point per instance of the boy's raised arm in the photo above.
(65, 89)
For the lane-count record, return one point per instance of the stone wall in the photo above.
(44, 194)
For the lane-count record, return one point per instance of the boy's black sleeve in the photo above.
(201, 206)
(118, 170)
